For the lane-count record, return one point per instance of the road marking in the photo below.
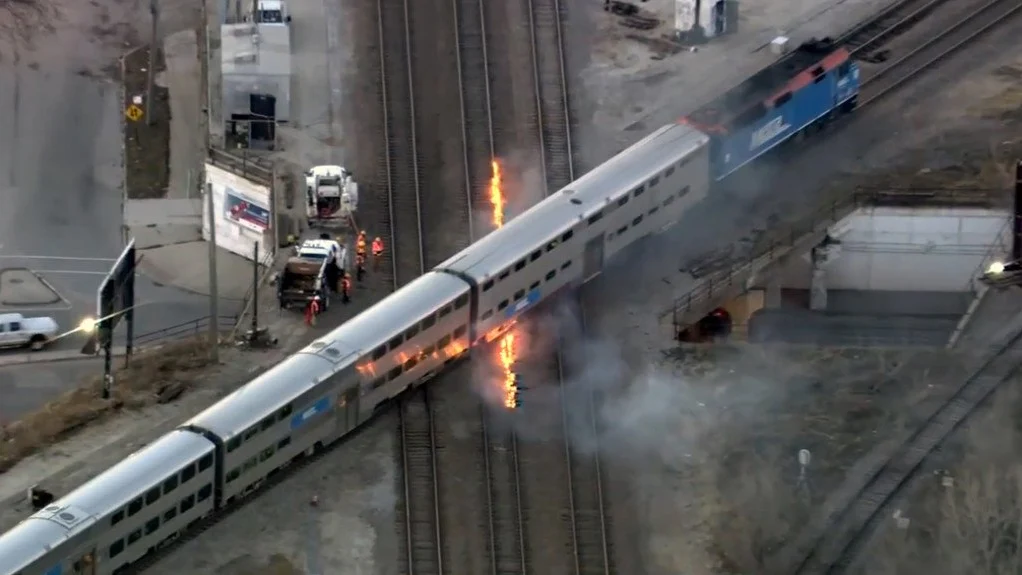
(70, 272)
(18, 309)
(65, 258)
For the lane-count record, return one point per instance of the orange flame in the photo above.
(497, 194)
(507, 361)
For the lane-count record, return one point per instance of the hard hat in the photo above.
(377, 239)
(316, 298)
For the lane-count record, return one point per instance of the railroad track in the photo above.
(943, 44)
(420, 505)
(551, 93)
(832, 543)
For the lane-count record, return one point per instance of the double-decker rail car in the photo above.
(809, 86)
(565, 239)
(118, 517)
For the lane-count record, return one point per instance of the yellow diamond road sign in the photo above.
(134, 113)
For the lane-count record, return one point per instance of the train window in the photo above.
(207, 460)
(843, 69)
(170, 514)
(378, 383)
(654, 210)
(134, 536)
(595, 218)
(429, 350)
(818, 71)
(567, 235)
(446, 310)
(566, 265)
(654, 181)
(461, 301)
(411, 332)
(286, 410)
(264, 425)
(488, 285)
(379, 352)
(550, 275)
(622, 201)
(550, 246)
(116, 548)
(504, 274)
(117, 518)
(428, 321)
(187, 503)
(411, 364)
(152, 495)
(622, 230)
(519, 294)
(683, 191)
(669, 172)
(444, 341)
(460, 332)
(636, 221)
(820, 78)
(782, 99)
(283, 443)
(187, 473)
(519, 265)
(502, 305)
(251, 432)
(134, 507)
(252, 461)
(639, 191)
(394, 343)
(535, 255)
(534, 285)
(233, 474)
(611, 236)
(152, 525)
(394, 373)
(233, 443)
(487, 315)
(681, 163)
(267, 453)
(669, 201)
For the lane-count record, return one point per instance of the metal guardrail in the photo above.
(254, 167)
(191, 328)
(689, 308)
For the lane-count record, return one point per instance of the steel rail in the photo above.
(833, 546)
(587, 510)
(423, 531)
(504, 510)
(937, 48)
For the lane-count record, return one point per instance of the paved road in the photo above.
(60, 192)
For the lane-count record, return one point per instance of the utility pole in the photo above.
(1016, 243)
(154, 12)
(214, 328)
(255, 290)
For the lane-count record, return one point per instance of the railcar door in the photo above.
(592, 259)
(347, 410)
(85, 564)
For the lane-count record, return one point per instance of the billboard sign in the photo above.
(245, 211)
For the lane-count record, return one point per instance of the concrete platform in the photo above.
(24, 287)
(184, 266)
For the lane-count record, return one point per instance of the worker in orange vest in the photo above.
(377, 252)
(360, 244)
(311, 311)
(360, 266)
(346, 288)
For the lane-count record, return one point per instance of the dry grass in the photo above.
(155, 376)
(759, 405)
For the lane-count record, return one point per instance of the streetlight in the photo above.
(87, 325)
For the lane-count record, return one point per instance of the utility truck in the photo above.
(314, 270)
(331, 197)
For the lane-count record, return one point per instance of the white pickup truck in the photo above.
(17, 330)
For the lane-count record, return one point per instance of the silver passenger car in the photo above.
(565, 238)
(119, 516)
(334, 384)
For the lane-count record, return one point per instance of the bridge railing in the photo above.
(725, 282)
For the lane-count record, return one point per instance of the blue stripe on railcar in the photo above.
(300, 419)
(523, 304)
(812, 102)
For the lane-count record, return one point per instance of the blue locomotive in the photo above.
(809, 86)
